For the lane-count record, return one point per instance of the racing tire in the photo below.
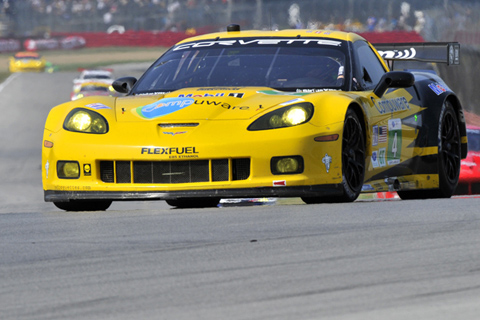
(193, 202)
(449, 158)
(80, 205)
(353, 162)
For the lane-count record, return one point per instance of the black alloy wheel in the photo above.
(449, 158)
(353, 162)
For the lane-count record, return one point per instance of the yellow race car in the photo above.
(246, 114)
(26, 61)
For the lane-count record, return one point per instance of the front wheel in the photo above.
(449, 158)
(353, 162)
(80, 205)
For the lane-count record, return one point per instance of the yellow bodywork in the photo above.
(211, 125)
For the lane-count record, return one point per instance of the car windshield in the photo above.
(283, 64)
(94, 88)
(473, 136)
(96, 76)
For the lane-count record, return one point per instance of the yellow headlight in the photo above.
(294, 116)
(287, 165)
(88, 121)
(276, 121)
(98, 125)
(288, 116)
(80, 121)
(68, 169)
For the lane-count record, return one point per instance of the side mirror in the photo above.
(124, 85)
(394, 79)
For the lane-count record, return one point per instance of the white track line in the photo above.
(7, 81)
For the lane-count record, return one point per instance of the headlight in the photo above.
(68, 169)
(286, 165)
(288, 116)
(87, 121)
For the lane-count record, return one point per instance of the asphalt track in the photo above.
(144, 260)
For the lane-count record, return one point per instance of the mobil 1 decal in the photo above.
(394, 149)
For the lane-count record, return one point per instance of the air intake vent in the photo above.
(171, 172)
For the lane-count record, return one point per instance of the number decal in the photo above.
(394, 150)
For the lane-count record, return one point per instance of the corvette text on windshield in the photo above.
(256, 42)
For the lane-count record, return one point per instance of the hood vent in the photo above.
(177, 125)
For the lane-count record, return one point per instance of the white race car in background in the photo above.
(97, 75)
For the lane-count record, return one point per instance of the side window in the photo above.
(369, 68)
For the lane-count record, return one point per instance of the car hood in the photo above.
(202, 104)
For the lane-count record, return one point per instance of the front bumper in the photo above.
(134, 167)
(302, 191)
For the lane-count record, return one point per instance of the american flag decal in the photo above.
(382, 134)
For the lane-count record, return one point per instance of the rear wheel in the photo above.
(80, 205)
(194, 202)
(449, 158)
(353, 162)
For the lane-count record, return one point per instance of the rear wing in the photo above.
(434, 52)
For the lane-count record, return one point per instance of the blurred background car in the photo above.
(469, 182)
(26, 61)
(89, 75)
(92, 88)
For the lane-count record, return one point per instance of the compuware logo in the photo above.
(163, 107)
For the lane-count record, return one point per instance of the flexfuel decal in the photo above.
(163, 107)
(172, 152)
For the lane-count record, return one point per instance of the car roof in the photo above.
(287, 33)
(26, 54)
(96, 71)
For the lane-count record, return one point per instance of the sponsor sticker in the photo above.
(437, 88)
(394, 141)
(327, 160)
(374, 135)
(87, 169)
(281, 93)
(297, 100)
(398, 54)
(163, 107)
(381, 157)
(174, 133)
(236, 94)
(256, 42)
(279, 183)
(97, 106)
(196, 95)
(375, 159)
(169, 151)
(391, 105)
(367, 187)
